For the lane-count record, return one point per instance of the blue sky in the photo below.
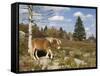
(57, 17)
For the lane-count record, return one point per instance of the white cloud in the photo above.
(83, 16)
(87, 29)
(89, 15)
(89, 33)
(67, 8)
(69, 20)
(61, 8)
(52, 24)
(56, 18)
(21, 11)
(36, 14)
(78, 14)
(93, 26)
(56, 8)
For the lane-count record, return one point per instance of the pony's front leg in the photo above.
(51, 54)
(47, 55)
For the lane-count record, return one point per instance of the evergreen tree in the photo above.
(42, 29)
(92, 38)
(61, 29)
(79, 31)
(61, 32)
(45, 28)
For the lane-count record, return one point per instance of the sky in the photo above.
(65, 17)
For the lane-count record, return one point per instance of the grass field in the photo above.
(73, 54)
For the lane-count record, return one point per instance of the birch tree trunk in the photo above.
(30, 29)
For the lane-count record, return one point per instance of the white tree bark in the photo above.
(30, 29)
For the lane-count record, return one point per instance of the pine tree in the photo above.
(61, 29)
(45, 28)
(79, 31)
(92, 38)
(42, 29)
(61, 32)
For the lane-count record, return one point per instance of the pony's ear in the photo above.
(50, 40)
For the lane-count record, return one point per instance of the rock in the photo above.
(79, 62)
(53, 67)
(71, 53)
(66, 58)
(86, 55)
(33, 69)
(43, 62)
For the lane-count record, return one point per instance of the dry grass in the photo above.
(73, 54)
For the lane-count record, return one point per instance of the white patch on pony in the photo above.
(57, 41)
(58, 47)
(60, 41)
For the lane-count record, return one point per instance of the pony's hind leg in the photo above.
(33, 54)
(36, 54)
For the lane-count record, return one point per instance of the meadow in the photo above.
(73, 54)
